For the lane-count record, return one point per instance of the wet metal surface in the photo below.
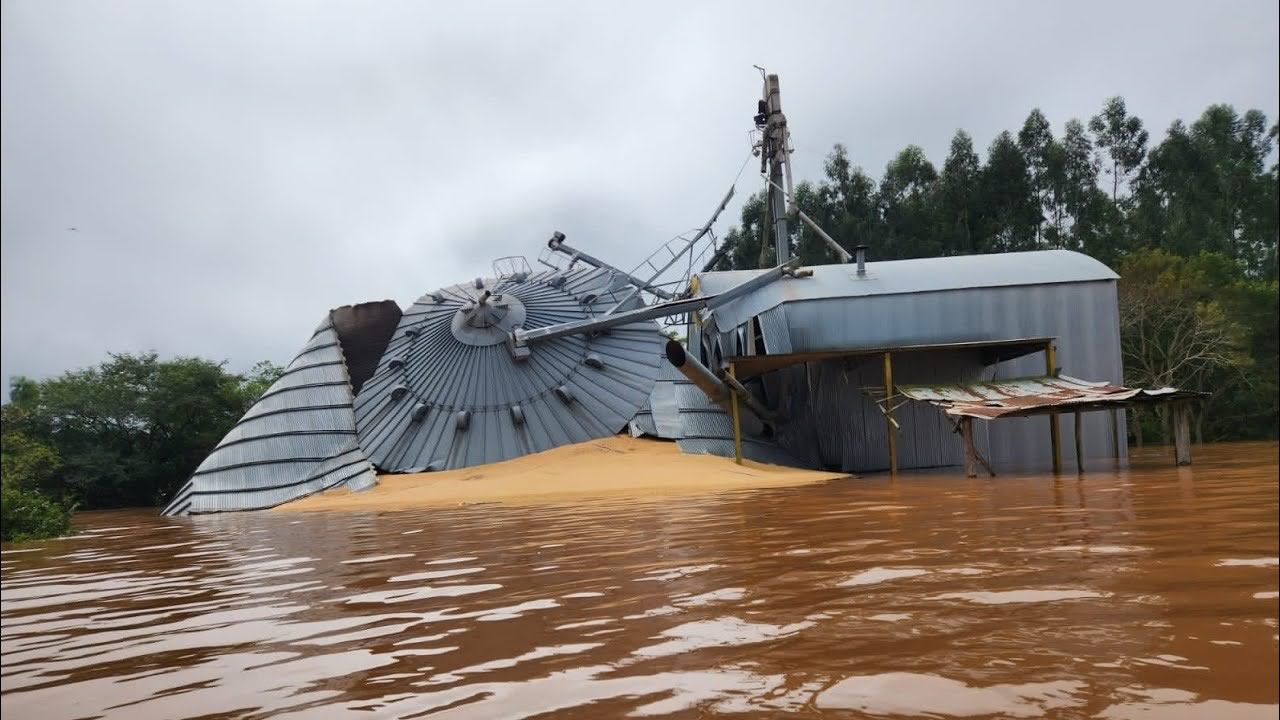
(1149, 593)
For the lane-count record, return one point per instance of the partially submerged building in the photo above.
(823, 349)
(857, 367)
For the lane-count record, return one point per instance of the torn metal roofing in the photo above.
(299, 438)
(1022, 397)
(449, 393)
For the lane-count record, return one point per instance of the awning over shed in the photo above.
(1022, 397)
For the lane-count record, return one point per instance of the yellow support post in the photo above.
(888, 414)
(1055, 435)
(737, 426)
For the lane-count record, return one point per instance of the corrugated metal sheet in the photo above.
(298, 439)
(776, 330)
(697, 424)
(834, 423)
(447, 393)
(1021, 397)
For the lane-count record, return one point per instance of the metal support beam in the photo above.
(966, 436)
(889, 427)
(831, 242)
(775, 151)
(737, 424)
(702, 232)
(1079, 433)
(558, 244)
(1055, 435)
(523, 337)
(1182, 434)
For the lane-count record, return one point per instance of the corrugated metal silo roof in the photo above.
(447, 392)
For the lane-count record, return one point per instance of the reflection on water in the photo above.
(1150, 593)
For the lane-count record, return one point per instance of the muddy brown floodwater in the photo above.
(1145, 593)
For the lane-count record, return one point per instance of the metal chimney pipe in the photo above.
(860, 253)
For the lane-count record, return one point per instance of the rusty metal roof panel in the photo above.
(297, 439)
(1021, 397)
(447, 392)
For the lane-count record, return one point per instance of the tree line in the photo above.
(126, 433)
(1190, 223)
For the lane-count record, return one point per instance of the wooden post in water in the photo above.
(966, 435)
(888, 415)
(737, 425)
(1079, 445)
(1055, 436)
(1182, 434)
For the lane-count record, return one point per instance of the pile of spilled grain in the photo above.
(619, 466)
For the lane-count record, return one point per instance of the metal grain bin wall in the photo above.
(299, 438)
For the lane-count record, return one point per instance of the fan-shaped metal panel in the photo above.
(448, 393)
(298, 439)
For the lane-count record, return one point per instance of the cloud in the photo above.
(235, 169)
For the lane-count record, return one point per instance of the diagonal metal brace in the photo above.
(521, 337)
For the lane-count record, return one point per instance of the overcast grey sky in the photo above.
(234, 169)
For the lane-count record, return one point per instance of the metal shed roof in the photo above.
(893, 277)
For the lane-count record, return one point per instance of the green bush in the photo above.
(28, 515)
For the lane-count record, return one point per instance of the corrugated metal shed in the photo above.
(900, 277)
(448, 393)
(928, 302)
(298, 438)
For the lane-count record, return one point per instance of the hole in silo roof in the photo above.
(411, 332)
(462, 420)
(396, 363)
(437, 297)
(420, 411)
(593, 361)
(399, 392)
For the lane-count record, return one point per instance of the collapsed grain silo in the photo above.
(857, 366)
